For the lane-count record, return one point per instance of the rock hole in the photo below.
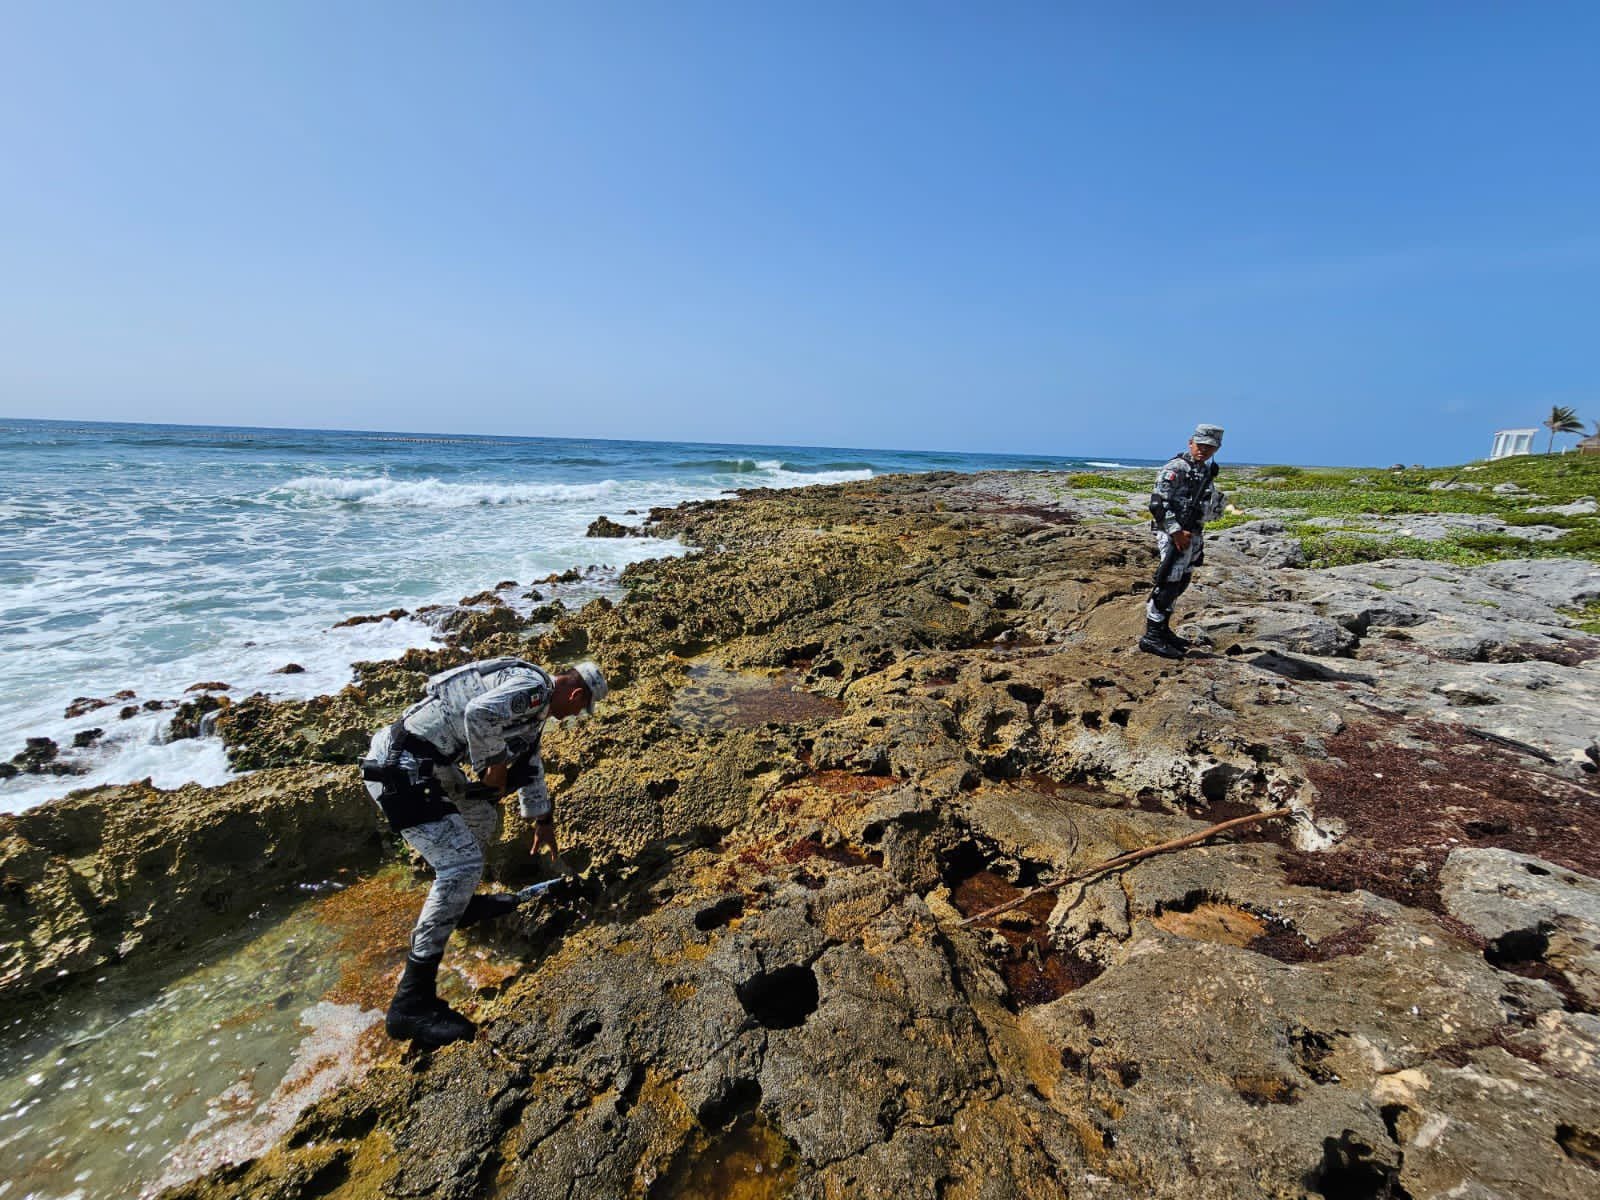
(1019, 947)
(1187, 903)
(731, 1100)
(1091, 720)
(1581, 1145)
(1119, 716)
(1311, 1050)
(1533, 870)
(1025, 693)
(582, 1028)
(1518, 946)
(1391, 1114)
(715, 916)
(1125, 1073)
(962, 861)
(780, 999)
(1347, 1172)
(1214, 782)
(628, 1094)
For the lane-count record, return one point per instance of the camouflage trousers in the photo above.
(454, 847)
(1173, 572)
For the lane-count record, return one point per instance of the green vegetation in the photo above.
(1324, 548)
(1588, 618)
(1544, 480)
(1110, 482)
(1296, 495)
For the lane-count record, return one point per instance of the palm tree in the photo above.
(1562, 419)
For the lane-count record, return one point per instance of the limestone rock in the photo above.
(102, 873)
(860, 713)
(605, 527)
(1536, 915)
(1577, 508)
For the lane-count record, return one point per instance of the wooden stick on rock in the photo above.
(1123, 860)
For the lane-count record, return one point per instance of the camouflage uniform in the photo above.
(1184, 498)
(485, 712)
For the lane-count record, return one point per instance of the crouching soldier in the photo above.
(490, 715)
(1184, 499)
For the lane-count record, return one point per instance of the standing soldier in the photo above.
(1184, 499)
(489, 714)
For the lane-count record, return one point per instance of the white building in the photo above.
(1513, 441)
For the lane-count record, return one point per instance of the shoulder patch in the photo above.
(519, 702)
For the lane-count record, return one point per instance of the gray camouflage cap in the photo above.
(1207, 435)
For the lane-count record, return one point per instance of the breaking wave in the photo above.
(723, 466)
(382, 491)
(431, 493)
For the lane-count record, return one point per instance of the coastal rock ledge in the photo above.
(862, 713)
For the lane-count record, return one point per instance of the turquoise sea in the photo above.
(147, 558)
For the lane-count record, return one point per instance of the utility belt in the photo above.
(409, 797)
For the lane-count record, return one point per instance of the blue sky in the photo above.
(1349, 232)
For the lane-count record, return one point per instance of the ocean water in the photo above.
(144, 559)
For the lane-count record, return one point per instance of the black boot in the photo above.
(488, 908)
(1171, 638)
(417, 1013)
(1153, 643)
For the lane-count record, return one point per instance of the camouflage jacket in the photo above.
(1186, 495)
(490, 712)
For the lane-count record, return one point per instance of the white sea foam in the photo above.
(431, 493)
(385, 491)
(239, 1124)
(778, 476)
(151, 576)
(1116, 465)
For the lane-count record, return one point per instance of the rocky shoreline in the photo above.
(860, 713)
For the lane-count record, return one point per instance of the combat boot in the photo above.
(1171, 638)
(1153, 643)
(488, 907)
(417, 1014)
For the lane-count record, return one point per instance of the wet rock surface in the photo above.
(861, 713)
(115, 871)
(605, 527)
